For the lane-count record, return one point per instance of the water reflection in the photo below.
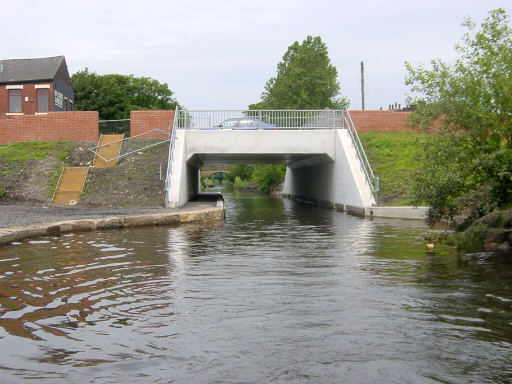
(280, 291)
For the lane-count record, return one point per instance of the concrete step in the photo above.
(66, 197)
(70, 185)
(111, 148)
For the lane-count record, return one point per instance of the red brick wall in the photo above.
(380, 121)
(145, 121)
(29, 106)
(53, 126)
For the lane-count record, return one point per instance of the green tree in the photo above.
(114, 96)
(242, 171)
(267, 175)
(305, 79)
(467, 165)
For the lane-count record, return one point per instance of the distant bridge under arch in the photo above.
(209, 170)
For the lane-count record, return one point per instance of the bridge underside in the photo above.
(322, 165)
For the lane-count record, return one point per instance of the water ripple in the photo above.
(279, 292)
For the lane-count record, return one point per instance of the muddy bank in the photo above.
(29, 173)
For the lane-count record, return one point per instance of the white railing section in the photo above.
(373, 181)
(95, 148)
(172, 141)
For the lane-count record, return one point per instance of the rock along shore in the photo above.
(157, 217)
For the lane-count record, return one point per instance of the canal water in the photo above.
(280, 292)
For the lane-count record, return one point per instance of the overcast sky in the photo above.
(219, 54)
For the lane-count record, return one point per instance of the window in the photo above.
(42, 100)
(15, 101)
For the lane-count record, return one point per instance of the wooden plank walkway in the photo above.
(109, 148)
(70, 185)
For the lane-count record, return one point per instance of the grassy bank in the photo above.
(392, 158)
(30, 171)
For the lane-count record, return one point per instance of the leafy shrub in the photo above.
(238, 183)
(266, 176)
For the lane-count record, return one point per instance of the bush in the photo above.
(243, 171)
(266, 176)
(238, 183)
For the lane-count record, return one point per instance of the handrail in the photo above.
(373, 181)
(95, 148)
(262, 119)
(170, 158)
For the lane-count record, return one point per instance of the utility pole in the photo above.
(362, 85)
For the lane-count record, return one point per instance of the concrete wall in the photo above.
(259, 144)
(53, 126)
(340, 183)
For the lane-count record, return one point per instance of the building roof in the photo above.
(23, 70)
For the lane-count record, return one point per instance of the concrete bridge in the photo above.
(324, 157)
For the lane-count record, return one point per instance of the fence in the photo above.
(121, 126)
(371, 179)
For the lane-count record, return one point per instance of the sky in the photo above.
(219, 54)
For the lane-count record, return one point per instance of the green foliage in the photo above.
(114, 95)
(206, 182)
(239, 183)
(305, 79)
(2, 192)
(471, 100)
(243, 171)
(267, 175)
(35, 150)
(473, 238)
(52, 178)
(392, 157)
(264, 176)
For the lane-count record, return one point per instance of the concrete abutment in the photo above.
(322, 164)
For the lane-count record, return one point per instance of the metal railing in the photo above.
(96, 153)
(172, 142)
(120, 126)
(373, 181)
(259, 119)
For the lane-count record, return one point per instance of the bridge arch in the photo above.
(324, 157)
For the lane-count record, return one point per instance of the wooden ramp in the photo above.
(109, 147)
(70, 185)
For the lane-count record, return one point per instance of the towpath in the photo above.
(13, 215)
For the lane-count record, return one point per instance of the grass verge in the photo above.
(392, 157)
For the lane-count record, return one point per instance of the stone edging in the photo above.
(8, 235)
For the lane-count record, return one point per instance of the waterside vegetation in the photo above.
(465, 165)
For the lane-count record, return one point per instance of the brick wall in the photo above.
(53, 126)
(28, 98)
(145, 121)
(380, 121)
